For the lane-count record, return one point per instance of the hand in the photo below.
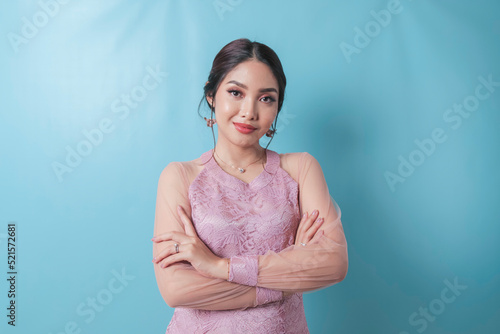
(308, 227)
(191, 249)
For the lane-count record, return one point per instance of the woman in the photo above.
(235, 246)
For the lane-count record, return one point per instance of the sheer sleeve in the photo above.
(301, 268)
(180, 284)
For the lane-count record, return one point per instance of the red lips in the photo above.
(247, 126)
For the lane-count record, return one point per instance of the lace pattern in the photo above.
(239, 267)
(236, 220)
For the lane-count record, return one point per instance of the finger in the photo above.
(171, 235)
(307, 222)
(314, 227)
(188, 225)
(305, 226)
(172, 259)
(167, 251)
(164, 236)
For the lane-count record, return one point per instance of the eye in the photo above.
(270, 99)
(231, 91)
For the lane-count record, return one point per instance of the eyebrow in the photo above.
(245, 87)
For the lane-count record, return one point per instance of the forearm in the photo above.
(183, 286)
(296, 268)
(229, 297)
(226, 297)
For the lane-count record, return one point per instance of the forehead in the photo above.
(253, 73)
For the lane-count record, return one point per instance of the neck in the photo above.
(239, 156)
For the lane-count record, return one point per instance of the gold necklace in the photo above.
(241, 169)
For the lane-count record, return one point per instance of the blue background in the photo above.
(357, 112)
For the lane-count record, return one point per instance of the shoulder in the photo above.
(172, 173)
(177, 171)
(297, 159)
(296, 163)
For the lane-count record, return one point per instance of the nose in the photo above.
(249, 110)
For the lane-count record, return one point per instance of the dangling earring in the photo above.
(270, 133)
(210, 121)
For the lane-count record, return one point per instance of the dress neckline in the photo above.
(265, 176)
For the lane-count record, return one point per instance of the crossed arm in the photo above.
(253, 280)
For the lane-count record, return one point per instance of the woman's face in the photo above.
(248, 95)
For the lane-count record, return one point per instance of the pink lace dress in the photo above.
(254, 224)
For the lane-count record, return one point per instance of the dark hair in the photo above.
(230, 56)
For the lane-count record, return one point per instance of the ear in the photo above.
(209, 100)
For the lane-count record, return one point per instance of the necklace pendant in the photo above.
(241, 170)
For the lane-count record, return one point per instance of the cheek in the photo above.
(226, 105)
(270, 118)
(227, 110)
